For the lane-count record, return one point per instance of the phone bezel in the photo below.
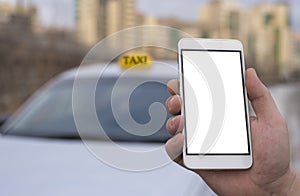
(221, 161)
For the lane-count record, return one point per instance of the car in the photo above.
(43, 153)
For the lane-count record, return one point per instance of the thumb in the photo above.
(260, 97)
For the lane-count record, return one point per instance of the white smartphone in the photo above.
(214, 104)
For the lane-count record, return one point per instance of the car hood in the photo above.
(33, 166)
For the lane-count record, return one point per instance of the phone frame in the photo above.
(222, 161)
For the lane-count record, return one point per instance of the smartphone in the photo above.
(214, 104)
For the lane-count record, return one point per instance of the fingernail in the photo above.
(254, 72)
(172, 122)
(170, 102)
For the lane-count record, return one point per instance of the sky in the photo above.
(61, 13)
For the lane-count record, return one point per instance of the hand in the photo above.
(270, 173)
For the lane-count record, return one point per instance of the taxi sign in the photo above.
(139, 60)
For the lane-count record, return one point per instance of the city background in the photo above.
(42, 38)
(265, 30)
(37, 44)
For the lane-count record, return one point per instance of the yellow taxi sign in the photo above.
(139, 60)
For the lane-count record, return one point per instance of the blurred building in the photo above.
(152, 36)
(97, 19)
(188, 28)
(120, 14)
(295, 57)
(14, 15)
(31, 54)
(269, 41)
(88, 21)
(165, 33)
(264, 31)
(223, 19)
(178, 30)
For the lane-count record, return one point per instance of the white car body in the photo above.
(39, 166)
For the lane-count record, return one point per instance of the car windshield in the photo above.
(50, 113)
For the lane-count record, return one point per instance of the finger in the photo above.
(174, 146)
(174, 124)
(260, 97)
(173, 86)
(173, 104)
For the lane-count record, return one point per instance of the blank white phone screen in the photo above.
(232, 138)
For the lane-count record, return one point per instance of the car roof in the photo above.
(160, 69)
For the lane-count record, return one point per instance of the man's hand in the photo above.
(270, 173)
